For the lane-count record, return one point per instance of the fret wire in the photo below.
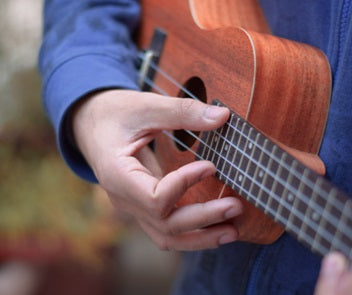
(238, 169)
(247, 163)
(317, 240)
(259, 164)
(258, 172)
(325, 222)
(278, 211)
(274, 181)
(250, 140)
(155, 67)
(327, 235)
(303, 226)
(320, 248)
(280, 206)
(232, 167)
(344, 225)
(323, 226)
(322, 193)
(317, 233)
(309, 183)
(293, 228)
(260, 160)
(292, 172)
(230, 146)
(168, 77)
(245, 174)
(210, 140)
(201, 154)
(217, 164)
(337, 237)
(217, 140)
(316, 217)
(250, 159)
(256, 168)
(206, 151)
(227, 151)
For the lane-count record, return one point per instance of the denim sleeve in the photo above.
(87, 46)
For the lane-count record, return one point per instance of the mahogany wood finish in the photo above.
(212, 14)
(280, 86)
(302, 201)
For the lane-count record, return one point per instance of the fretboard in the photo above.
(303, 202)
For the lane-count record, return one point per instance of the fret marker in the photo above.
(250, 146)
(315, 216)
(215, 138)
(240, 178)
(261, 173)
(290, 197)
(226, 147)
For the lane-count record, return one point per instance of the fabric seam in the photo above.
(61, 64)
(342, 32)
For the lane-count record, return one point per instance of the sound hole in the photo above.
(196, 88)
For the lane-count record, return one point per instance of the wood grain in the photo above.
(280, 86)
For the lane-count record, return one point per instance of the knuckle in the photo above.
(209, 215)
(184, 182)
(185, 106)
(157, 208)
(171, 230)
(163, 244)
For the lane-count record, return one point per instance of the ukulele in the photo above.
(278, 92)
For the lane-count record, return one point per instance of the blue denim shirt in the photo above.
(87, 46)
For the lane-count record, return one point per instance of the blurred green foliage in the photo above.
(41, 201)
(40, 197)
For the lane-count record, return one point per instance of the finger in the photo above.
(207, 238)
(333, 266)
(147, 158)
(174, 185)
(183, 113)
(198, 216)
(156, 196)
(345, 285)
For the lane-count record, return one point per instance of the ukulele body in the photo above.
(281, 87)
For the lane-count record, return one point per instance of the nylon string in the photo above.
(309, 183)
(328, 236)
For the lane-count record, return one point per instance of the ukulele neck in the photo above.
(297, 198)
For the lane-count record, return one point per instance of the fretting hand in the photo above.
(113, 128)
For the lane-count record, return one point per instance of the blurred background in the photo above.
(58, 235)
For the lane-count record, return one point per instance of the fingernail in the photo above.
(214, 112)
(333, 264)
(227, 238)
(231, 213)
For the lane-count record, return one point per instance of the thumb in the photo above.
(333, 266)
(185, 113)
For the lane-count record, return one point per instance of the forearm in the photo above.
(86, 47)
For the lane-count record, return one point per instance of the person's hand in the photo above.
(112, 129)
(335, 278)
